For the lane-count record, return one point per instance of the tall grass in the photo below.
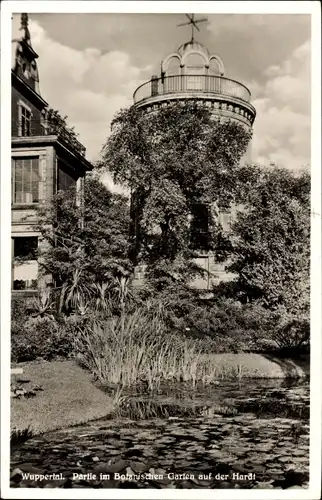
(136, 348)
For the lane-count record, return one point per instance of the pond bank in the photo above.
(262, 365)
(69, 396)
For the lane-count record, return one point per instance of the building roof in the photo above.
(23, 56)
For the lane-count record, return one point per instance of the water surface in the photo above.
(248, 434)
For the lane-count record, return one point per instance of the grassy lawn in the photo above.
(69, 397)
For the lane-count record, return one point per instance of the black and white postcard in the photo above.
(161, 250)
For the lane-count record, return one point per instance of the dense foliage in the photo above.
(270, 239)
(57, 122)
(87, 245)
(34, 336)
(173, 159)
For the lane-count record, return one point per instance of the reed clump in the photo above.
(137, 349)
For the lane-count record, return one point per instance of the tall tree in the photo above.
(172, 159)
(85, 244)
(270, 239)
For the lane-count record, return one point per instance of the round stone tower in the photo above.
(192, 73)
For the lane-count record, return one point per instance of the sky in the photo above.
(90, 65)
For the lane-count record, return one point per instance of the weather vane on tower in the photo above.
(193, 22)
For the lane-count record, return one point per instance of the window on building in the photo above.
(199, 227)
(65, 180)
(25, 247)
(25, 284)
(25, 126)
(25, 267)
(26, 180)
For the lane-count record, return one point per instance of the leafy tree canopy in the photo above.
(270, 238)
(172, 158)
(87, 242)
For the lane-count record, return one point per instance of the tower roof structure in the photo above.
(192, 46)
(192, 57)
(192, 72)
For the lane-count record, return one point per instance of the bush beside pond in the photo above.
(137, 351)
(34, 336)
(40, 338)
(180, 337)
(234, 326)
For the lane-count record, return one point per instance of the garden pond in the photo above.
(237, 434)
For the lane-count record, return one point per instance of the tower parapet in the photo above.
(192, 73)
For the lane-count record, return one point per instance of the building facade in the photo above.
(45, 156)
(191, 73)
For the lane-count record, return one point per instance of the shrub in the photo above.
(221, 325)
(40, 338)
(228, 324)
(224, 324)
(292, 331)
(20, 311)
